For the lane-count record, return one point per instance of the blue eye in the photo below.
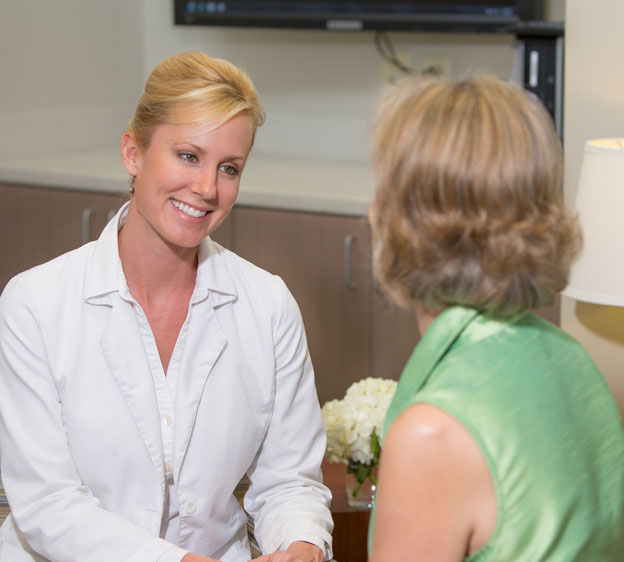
(187, 156)
(230, 170)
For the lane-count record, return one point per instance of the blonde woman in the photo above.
(144, 374)
(503, 442)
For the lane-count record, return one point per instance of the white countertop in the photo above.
(277, 182)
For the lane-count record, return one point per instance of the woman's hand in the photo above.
(299, 551)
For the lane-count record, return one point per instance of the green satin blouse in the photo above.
(546, 423)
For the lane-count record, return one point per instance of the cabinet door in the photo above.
(308, 252)
(394, 335)
(37, 224)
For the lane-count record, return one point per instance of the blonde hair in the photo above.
(469, 207)
(193, 88)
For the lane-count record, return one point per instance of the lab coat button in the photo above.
(190, 507)
(168, 468)
(167, 421)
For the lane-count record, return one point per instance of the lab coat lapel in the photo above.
(206, 342)
(121, 341)
(124, 351)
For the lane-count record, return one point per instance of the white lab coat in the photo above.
(80, 439)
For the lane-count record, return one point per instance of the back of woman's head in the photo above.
(193, 88)
(469, 207)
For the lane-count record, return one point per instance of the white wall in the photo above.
(319, 87)
(70, 70)
(594, 108)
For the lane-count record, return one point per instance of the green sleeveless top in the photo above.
(546, 423)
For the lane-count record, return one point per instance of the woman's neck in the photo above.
(425, 318)
(155, 270)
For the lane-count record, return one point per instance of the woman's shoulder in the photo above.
(423, 423)
(243, 273)
(48, 276)
(426, 444)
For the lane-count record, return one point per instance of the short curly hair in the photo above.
(469, 205)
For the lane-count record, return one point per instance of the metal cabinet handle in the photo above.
(86, 224)
(376, 285)
(348, 242)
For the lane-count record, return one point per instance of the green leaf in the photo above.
(375, 447)
(361, 472)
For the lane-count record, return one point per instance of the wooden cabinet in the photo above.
(223, 234)
(326, 262)
(394, 336)
(308, 250)
(37, 224)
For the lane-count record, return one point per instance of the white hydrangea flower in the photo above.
(350, 422)
(336, 431)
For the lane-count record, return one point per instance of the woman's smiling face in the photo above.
(187, 179)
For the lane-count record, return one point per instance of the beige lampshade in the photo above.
(598, 274)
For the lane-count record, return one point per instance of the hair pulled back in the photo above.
(194, 88)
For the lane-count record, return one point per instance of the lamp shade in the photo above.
(598, 274)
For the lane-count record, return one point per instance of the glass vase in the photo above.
(360, 496)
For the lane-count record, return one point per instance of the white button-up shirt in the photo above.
(87, 449)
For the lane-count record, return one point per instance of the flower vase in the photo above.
(360, 496)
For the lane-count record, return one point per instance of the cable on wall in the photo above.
(386, 50)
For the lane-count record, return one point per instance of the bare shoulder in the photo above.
(436, 496)
(429, 443)
(423, 425)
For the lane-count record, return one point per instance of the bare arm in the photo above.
(436, 500)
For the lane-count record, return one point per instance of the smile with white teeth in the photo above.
(187, 210)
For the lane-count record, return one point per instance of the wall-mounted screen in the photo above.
(399, 15)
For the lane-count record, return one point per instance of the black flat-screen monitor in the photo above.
(392, 15)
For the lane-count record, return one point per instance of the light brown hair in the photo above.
(469, 207)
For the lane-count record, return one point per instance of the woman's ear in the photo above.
(130, 153)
